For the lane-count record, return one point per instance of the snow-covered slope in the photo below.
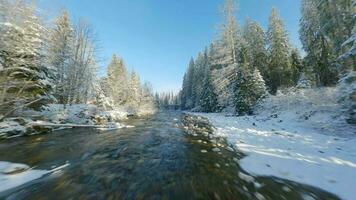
(299, 135)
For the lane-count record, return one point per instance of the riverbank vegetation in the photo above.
(247, 63)
(48, 72)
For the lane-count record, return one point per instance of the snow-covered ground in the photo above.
(53, 115)
(13, 175)
(300, 136)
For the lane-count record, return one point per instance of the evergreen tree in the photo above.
(209, 100)
(348, 58)
(255, 39)
(24, 76)
(336, 21)
(135, 90)
(60, 53)
(279, 68)
(118, 81)
(320, 53)
(297, 66)
(184, 94)
(190, 85)
(227, 46)
(201, 64)
(250, 86)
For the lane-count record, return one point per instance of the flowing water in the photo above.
(154, 160)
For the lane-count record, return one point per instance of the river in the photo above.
(156, 159)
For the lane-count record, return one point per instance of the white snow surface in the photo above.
(298, 135)
(13, 175)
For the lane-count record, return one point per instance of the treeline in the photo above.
(57, 62)
(247, 62)
(124, 89)
(167, 100)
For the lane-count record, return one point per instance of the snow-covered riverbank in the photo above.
(13, 175)
(300, 136)
(57, 116)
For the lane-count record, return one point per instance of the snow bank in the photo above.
(13, 175)
(58, 116)
(299, 135)
(77, 113)
(11, 128)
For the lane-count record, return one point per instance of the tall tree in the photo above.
(82, 72)
(184, 92)
(336, 21)
(297, 66)
(117, 81)
(279, 54)
(250, 86)
(134, 97)
(60, 53)
(24, 76)
(227, 45)
(190, 85)
(255, 39)
(209, 99)
(318, 47)
(201, 64)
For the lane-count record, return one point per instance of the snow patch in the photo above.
(300, 135)
(13, 175)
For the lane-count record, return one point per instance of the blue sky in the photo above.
(157, 38)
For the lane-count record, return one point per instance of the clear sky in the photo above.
(157, 38)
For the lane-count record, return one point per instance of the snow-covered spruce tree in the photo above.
(201, 64)
(255, 39)
(279, 66)
(318, 47)
(190, 98)
(134, 94)
(25, 79)
(209, 99)
(184, 97)
(60, 53)
(227, 46)
(197, 81)
(117, 81)
(250, 86)
(336, 21)
(348, 57)
(297, 65)
(224, 55)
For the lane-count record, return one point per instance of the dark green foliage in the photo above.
(250, 86)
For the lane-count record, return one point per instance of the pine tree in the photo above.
(209, 100)
(297, 66)
(227, 47)
(279, 53)
(255, 39)
(117, 81)
(201, 64)
(24, 76)
(336, 21)
(135, 90)
(184, 93)
(250, 86)
(60, 53)
(190, 85)
(348, 58)
(320, 53)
